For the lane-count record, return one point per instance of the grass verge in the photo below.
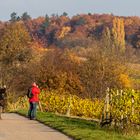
(78, 129)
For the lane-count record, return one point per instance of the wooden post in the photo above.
(69, 106)
(133, 111)
(122, 116)
(106, 107)
(107, 104)
(40, 107)
(122, 121)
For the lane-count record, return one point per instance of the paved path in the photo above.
(15, 127)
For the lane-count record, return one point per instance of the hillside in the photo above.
(81, 55)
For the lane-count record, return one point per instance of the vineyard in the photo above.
(120, 107)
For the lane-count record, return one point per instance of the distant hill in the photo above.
(79, 30)
(53, 30)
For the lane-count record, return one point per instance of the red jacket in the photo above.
(35, 92)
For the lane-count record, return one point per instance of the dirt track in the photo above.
(15, 127)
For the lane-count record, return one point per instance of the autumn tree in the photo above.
(101, 70)
(118, 34)
(57, 71)
(15, 51)
(106, 38)
(13, 42)
(64, 31)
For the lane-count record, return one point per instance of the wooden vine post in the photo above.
(106, 111)
(69, 106)
(133, 101)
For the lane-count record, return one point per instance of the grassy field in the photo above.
(79, 129)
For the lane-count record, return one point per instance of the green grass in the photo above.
(79, 129)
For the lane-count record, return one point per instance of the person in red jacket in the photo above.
(33, 100)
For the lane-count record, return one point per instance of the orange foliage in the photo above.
(125, 81)
(64, 31)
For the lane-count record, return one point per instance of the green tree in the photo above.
(25, 16)
(14, 17)
(45, 24)
(80, 21)
(136, 39)
(65, 14)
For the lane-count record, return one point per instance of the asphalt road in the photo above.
(16, 127)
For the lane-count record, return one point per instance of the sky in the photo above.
(36, 8)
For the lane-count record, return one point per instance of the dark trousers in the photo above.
(0, 111)
(32, 110)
